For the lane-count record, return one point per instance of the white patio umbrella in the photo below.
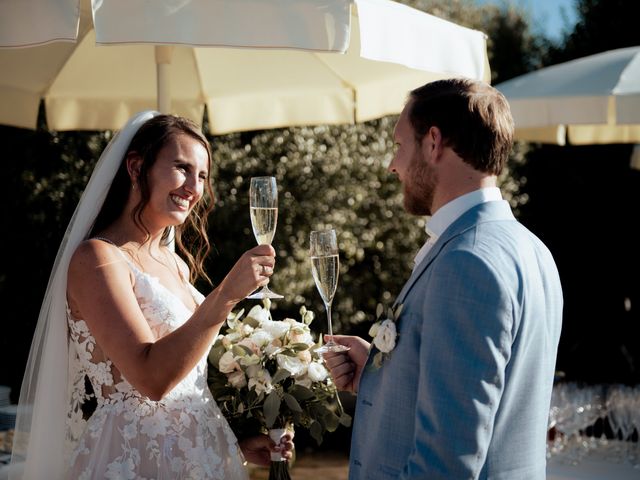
(276, 63)
(591, 100)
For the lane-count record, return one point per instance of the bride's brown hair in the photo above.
(147, 143)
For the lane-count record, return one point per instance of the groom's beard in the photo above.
(419, 187)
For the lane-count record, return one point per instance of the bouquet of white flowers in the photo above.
(265, 375)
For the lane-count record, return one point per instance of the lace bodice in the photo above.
(130, 436)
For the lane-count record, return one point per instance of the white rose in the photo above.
(237, 379)
(259, 313)
(385, 339)
(261, 337)
(276, 329)
(301, 336)
(292, 364)
(317, 372)
(259, 379)
(228, 363)
(246, 329)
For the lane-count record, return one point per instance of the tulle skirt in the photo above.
(148, 440)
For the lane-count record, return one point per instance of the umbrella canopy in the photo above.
(591, 100)
(306, 62)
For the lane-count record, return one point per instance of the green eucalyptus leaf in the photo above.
(242, 350)
(215, 354)
(292, 403)
(316, 431)
(379, 310)
(377, 359)
(280, 375)
(398, 311)
(301, 393)
(299, 347)
(345, 420)
(331, 421)
(271, 408)
(252, 322)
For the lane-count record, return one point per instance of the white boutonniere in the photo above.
(384, 332)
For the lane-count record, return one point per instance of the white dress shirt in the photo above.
(450, 212)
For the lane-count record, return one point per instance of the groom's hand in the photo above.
(346, 367)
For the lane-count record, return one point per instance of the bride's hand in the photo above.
(250, 272)
(257, 450)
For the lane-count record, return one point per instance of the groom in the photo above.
(465, 393)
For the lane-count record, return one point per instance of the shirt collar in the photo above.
(450, 212)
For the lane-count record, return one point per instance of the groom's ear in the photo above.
(432, 143)
(134, 163)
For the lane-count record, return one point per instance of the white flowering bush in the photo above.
(266, 373)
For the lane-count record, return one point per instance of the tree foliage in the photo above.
(601, 25)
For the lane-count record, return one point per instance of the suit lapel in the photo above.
(484, 212)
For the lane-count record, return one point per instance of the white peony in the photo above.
(261, 337)
(259, 313)
(228, 363)
(293, 364)
(385, 338)
(276, 329)
(317, 372)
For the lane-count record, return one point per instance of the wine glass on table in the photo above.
(263, 207)
(325, 265)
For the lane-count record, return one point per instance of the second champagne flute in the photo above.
(263, 207)
(325, 266)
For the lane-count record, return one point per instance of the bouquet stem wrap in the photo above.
(279, 469)
(276, 435)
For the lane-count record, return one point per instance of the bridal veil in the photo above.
(41, 424)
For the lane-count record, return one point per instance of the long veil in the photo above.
(40, 433)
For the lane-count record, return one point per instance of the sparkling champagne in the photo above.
(263, 221)
(325, 273)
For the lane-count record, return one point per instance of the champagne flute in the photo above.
(325, 265)
(263, 207)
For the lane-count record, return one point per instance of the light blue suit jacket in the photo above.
(466, 391)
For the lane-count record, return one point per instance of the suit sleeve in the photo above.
(466, 338)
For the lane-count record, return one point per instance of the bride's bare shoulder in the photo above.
(93, 255)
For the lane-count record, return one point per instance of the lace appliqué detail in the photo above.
(129, 436)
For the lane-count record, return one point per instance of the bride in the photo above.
(122, 325)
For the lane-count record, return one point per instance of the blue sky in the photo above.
(548, 16)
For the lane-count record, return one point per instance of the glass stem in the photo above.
(328, 307)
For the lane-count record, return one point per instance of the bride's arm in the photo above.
(100, 288)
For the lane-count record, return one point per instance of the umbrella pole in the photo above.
(163, 62)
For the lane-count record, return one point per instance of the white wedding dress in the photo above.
(128, 436)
